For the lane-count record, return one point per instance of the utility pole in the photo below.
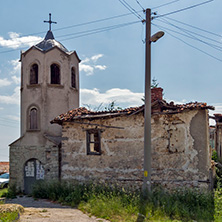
(147, 116)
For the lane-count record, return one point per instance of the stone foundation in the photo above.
(19, 155)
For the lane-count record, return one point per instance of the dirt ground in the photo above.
(45, 210)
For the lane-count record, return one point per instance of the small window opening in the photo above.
(55, 74)
(73, 77)
(93, 142)
(34, 74)
(33, 119)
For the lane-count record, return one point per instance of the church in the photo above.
(60, 140)
(49, 87)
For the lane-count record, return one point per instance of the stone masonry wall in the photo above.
(48, 156)
(180, 154)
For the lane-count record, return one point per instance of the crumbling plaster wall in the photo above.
(180, 154)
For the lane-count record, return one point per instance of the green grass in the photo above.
(117, 204)
(218, 205)
(3, 192)
(8, 216)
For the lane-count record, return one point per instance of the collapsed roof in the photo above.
(158, 107)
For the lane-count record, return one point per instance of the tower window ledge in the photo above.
(33, 130)
(33, 85)
(55, 85)
(75, 89)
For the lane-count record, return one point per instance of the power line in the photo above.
(191, 37)
(219, 48)
(131, 9)
(141, 5)
(166, 22)
(94, 21)
(191, 45)
(165, 4)
(88, 32)
(102, 30)
(203, 30)
(71, 26)
(11, 121)
(7, 125)
(183, 9)
(83, 24)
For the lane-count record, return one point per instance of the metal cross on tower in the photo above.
(50, 22)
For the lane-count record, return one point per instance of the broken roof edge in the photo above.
(164, 108)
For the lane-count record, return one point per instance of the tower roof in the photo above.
(49, 42)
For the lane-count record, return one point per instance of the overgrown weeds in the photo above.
(12, 192)
(117, 204)
(3, 192)
(9, 216)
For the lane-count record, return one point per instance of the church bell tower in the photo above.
(49, 87)
(49, 84)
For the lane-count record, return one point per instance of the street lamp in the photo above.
(147, 121)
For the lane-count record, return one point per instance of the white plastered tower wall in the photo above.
(42, 144)
(50, 99)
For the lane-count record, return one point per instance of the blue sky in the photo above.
(112, 67)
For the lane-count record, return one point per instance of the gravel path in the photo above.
(45, 210)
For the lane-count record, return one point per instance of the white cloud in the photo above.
(16, 80)
(15, 40)
(100, 67)
(1, 108)
(122, 97)
(4, 82)
(85, 60)
(96, 57)
(87, 69)
(183, 101)
(16, 66)
(13, 99)
(88, 65)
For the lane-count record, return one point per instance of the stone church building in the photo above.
(60, 140)
(49, 87)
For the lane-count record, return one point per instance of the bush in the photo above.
(117, 204)
(12, 192)
(214, 156)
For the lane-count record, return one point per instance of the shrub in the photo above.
(118, 204)
(12, 192)
(214, 156)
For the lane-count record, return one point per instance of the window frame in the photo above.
(73, 79)
(34, 74)
(28, 118)
(55, 78)
(33, 118)
(89, 141)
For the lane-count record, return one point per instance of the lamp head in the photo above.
(156, 36)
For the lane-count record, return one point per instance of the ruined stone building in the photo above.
(108, 146)
(49, 87)
(84, 145)
(218, 135)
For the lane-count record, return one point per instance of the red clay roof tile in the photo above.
(164, 107)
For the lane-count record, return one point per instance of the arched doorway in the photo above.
(33, 171)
